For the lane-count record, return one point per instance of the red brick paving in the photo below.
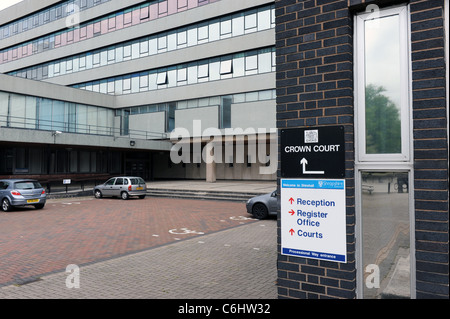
(78, 231)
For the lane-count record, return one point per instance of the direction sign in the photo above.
(313, 221)
(317, 152)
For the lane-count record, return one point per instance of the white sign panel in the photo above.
(313, 223)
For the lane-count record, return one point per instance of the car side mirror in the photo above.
(274, 194)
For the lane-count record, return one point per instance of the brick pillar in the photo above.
(315, 88)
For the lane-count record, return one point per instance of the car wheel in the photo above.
(6, 206)
(39, 206)
(97, 194)
(124, 195)
(260, 211)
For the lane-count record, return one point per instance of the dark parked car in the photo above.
(262, 206)
(21, 192)
(123, 186)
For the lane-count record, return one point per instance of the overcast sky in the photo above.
(7, 3)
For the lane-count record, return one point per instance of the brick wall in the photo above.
(430, 148)
(314, 41)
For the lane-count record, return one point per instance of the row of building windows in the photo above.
(30, 112)
(50, 14)
(116, 21)
(230, 26)
(246, 97)
(219, 68)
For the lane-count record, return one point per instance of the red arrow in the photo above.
(292, 212)
(291, 200)
(292, 231)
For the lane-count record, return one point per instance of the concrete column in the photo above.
(210, 163)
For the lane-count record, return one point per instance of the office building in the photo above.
(91, 88)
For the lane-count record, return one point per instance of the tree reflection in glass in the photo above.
(383, 83)
(383, 133)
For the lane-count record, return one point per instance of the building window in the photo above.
(383, 86)
(162, 78)
(203, 71)
(225, 112)
(383, 164)
(386, 234)
(226, 67)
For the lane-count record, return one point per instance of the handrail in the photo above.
(76, 128)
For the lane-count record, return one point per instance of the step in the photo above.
(201, 194)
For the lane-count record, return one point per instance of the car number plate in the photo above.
(139, 188)
(33, 201)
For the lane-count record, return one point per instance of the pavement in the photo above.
(225, 255)
(217, 266)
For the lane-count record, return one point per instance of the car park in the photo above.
(21, 192)
(263, 206)
(121, 186)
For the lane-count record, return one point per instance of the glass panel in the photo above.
(226, 67)
(17, 110)
(144, 47)
(135, 50)
(265, 62)
(264, 20)
(92, 116)
(385, 235)
(251, 64)
(214, 31)
(214, 70)
(162, 78)
(182, 75)
(225, 109)
(225, 27)
(172, 41)
(71, 116)
(203, 71)
(30, 112)
(135, 82)
(383, 85)
(58, 116)
(45, 114)
(81, 115)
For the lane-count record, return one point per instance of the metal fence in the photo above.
(76, 128)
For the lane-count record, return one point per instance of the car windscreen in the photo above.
(27, 185)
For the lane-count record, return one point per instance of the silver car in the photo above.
(21, 192)
(262, 206)
(124, 187)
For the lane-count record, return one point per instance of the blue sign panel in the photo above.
(313, 223)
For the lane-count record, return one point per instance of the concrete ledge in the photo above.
(45, 137)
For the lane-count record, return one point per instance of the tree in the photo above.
(383, 127)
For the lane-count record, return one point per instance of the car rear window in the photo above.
(27, 185)
(137, 181)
